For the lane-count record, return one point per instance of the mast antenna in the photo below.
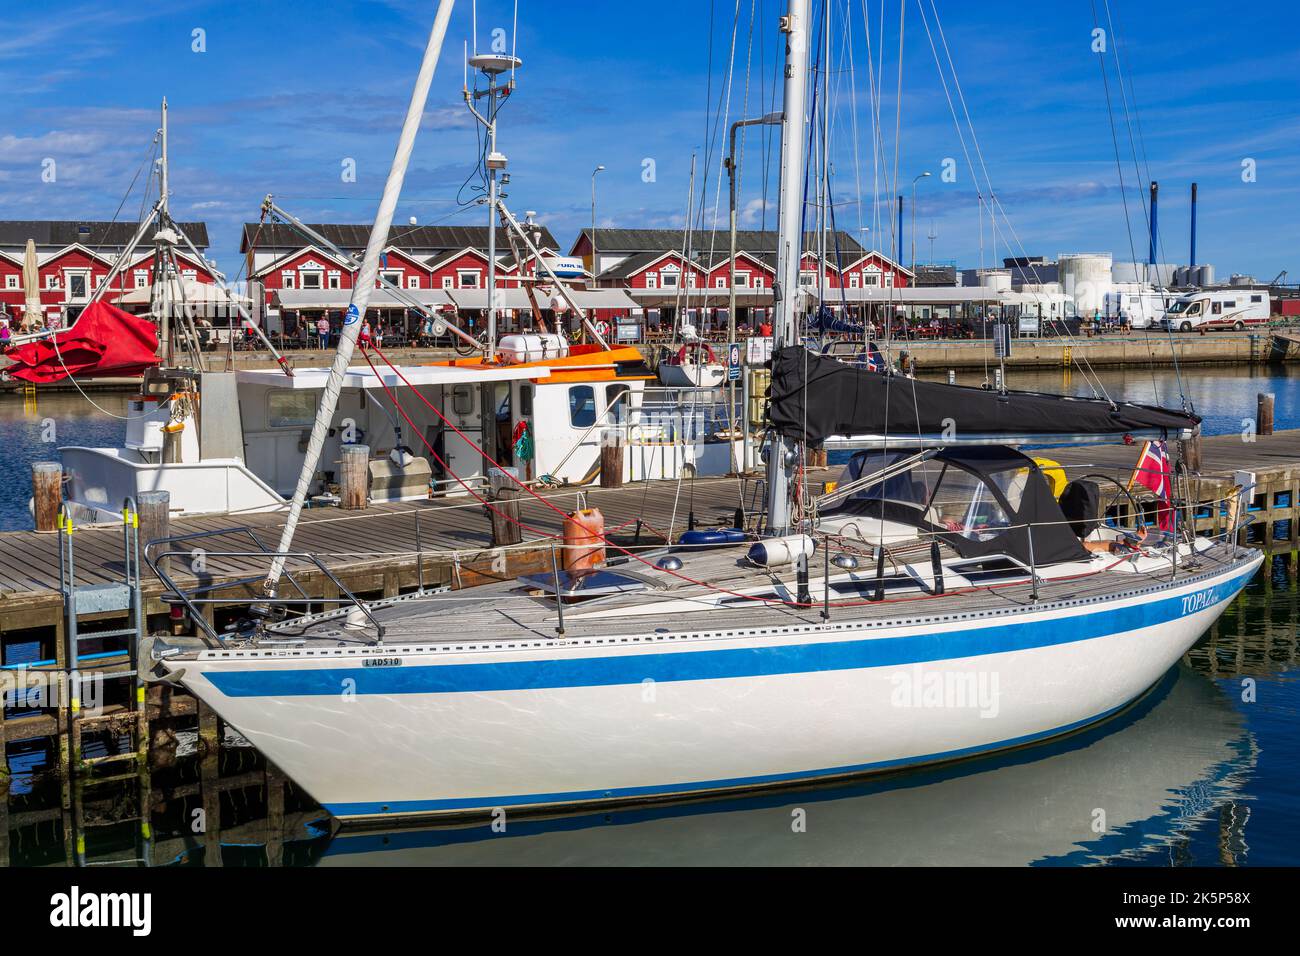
(492, 66)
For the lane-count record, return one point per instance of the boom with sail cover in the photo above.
(103, 342)
(815, 398)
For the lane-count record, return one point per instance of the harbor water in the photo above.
(1204, 770)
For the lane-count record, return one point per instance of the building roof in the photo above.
(635, 263)
(355, 236)
(59, 233)
(747, 240)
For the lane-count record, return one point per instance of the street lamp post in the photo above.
(598, 169)
(771, 119)
(914, 182)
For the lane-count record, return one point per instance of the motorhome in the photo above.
(1138, 308)
(1218, 309)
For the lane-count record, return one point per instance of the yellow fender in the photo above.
(1054, 473)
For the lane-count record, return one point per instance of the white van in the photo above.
(1218, 309)
(1141, 310)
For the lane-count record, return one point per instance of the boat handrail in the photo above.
(193, 601)
(204, 594)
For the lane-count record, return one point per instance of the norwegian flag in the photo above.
(875, 361)
(1155, 472)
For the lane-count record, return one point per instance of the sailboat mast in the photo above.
(785, 330)
(161, 276)
(166, 182)
(361, 292)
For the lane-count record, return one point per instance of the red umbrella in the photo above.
(104, 341)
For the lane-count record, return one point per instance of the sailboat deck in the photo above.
(508, 613)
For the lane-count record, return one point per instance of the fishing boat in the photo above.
(234, 442)
(939, 603)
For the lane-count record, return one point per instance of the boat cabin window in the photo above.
(908, 488)
(938, 494)
(525, 401)
(582, 406)
(964, 504)
(291, 407)
(618, 398)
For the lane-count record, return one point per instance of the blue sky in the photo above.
(286, 91)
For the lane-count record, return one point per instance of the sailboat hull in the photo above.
(692, 374)
(429, 730)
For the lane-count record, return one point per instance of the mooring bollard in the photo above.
(611, 460)
(1264, 414)
(354, 477)
(154, 508)
(47, 494)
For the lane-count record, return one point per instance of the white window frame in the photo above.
(461, 275)
(11, 282)
(289, 279)
(720, 282)
(742, 280)
(69, 275)
(413, 282)
(315, 275)
(448, 282)
(334, 280)
(652, 280)
(141, 279)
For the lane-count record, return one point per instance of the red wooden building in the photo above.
(74, 259)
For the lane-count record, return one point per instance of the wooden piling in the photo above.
(1192, 453)
(354, 477)
(611, 461)
(154, 509)
(1264, 414)
(47, 494)
(505, 518)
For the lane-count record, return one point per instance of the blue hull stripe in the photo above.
(761, 661)
(576, 796)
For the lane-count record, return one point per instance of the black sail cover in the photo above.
(814, 397)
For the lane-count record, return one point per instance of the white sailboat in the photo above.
(941, 606)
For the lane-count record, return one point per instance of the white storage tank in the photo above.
(1204, 276)
(1087, 277)
(996, 279)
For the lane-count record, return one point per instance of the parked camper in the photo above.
(1218, 309)
(1139, 309)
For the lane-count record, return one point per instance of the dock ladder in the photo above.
(122, 765)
